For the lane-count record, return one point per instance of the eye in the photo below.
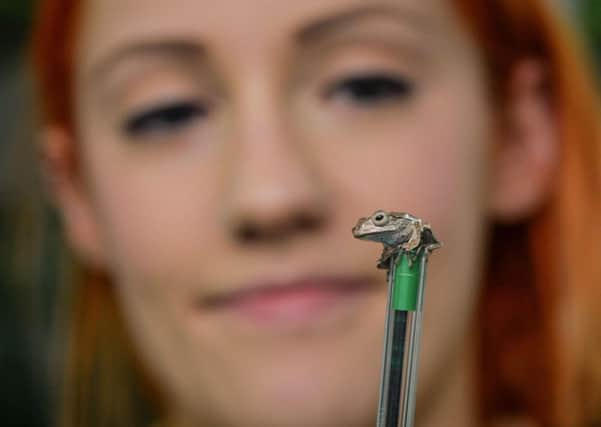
(381, 218)
(165, 118)
(371, 89)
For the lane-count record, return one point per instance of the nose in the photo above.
(274, 190)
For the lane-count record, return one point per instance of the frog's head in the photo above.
(382, 226)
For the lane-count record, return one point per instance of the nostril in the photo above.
(308, 222)
(247, 233)
(277, 231)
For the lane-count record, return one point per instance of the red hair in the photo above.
(540, 333)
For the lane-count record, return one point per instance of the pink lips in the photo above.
(294, 302)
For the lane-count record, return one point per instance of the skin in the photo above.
(265, 178)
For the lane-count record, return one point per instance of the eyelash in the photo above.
(365, 90)
(370, 89)
(165, 118)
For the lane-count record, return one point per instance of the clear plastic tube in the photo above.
(406, 283)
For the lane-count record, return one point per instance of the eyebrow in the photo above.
(183, 50)
(338, 22)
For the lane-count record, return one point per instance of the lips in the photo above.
(296, 301)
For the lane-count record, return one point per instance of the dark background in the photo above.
(30, 250)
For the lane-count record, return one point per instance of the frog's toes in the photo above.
(384, 263)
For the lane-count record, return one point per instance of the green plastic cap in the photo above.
(406, 283)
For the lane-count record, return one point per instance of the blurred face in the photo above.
(229, 147)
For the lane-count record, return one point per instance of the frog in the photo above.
(397, 231)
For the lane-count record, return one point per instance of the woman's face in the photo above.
(229, 147)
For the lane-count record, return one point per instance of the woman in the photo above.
(209, 160)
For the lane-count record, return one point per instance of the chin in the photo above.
(315, 404)
(302, 389)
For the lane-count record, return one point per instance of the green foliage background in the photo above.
(15, 21)
(591, 21)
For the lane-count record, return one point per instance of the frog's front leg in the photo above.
(386, 257)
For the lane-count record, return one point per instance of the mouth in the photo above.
(296, 302)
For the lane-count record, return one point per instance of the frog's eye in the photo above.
(381, 218)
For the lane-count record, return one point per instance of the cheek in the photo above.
(151, 204)
(433, 163)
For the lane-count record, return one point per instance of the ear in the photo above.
(65, 184)
(525, 157)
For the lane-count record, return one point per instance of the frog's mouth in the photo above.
(357, 229)
(360, 233)
(374, 236)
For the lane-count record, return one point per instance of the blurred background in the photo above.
(28, 269)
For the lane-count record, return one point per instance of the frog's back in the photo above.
(404, 215)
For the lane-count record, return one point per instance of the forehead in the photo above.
(238, 24)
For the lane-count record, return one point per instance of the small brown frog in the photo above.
(396, 231)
